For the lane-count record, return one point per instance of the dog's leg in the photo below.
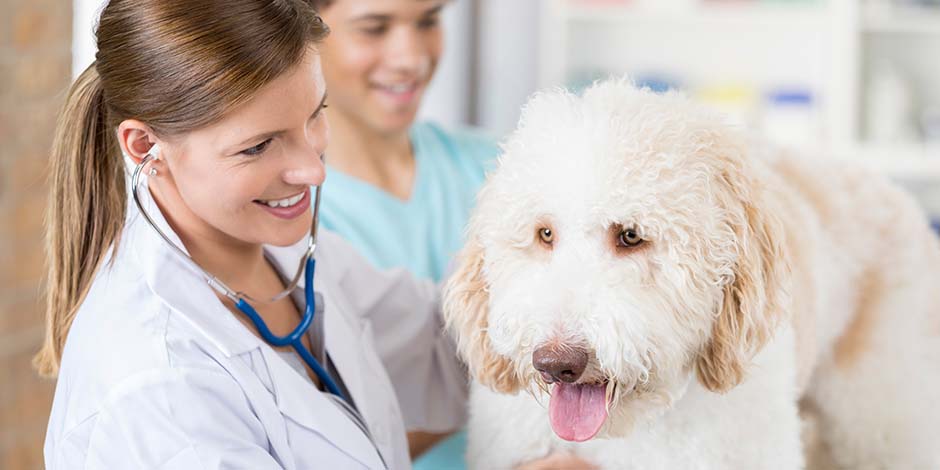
(815, 451)
(878, 393)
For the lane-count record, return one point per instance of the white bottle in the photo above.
(890, 106)
(789, 118)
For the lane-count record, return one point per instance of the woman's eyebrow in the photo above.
(268, 134)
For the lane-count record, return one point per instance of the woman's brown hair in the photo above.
(175, 65)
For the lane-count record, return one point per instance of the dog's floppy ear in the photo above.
(466, 310)
(752, 300)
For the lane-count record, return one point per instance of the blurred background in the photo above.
(35, 56)
(848, 79)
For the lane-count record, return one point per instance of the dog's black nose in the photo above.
(560, 363)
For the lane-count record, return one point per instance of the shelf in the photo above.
(751, 15)
(907, 162)
(819, 43)
(901, 20)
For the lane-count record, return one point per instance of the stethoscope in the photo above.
(240, 299)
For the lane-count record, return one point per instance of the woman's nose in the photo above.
(308, 169)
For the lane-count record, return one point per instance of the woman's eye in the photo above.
(257, 149)
(629, 238)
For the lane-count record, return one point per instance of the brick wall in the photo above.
(35, 57)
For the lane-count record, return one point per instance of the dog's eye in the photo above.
(629, 238)
(546, 235)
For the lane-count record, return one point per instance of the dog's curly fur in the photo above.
(764, 281)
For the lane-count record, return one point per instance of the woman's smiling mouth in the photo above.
(288, 207)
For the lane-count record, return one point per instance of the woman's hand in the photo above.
(558, 461)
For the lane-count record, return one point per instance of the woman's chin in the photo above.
(298, 230)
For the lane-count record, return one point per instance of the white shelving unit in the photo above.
(752, 16)
(824, 46)
(906, 20)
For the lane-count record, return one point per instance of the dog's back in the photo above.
(866, 311)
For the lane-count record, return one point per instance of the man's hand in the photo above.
(558, 461)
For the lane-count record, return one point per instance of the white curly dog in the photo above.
(644, 288)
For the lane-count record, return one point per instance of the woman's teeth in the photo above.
(286, 202)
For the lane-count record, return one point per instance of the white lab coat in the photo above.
(158, 374)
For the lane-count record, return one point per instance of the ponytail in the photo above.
(85, 211)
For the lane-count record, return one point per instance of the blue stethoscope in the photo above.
(294, 338)
(306, 268)
(240, 299)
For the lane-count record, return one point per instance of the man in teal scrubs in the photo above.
(400, 192)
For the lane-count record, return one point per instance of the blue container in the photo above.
(656, 84)
(794, 96)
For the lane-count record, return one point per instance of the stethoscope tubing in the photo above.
(294, 338)
(307, 266)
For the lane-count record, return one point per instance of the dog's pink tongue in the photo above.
(577, 411)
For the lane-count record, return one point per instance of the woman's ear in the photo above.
(466, 312)
(136, 139)
(753, 301)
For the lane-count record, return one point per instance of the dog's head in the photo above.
(623, 246)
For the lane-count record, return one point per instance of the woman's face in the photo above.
(219, 183)
(379, 58)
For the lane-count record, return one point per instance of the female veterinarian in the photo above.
(182, 329)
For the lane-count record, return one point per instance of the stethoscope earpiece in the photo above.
(154, 151)
(153, 154)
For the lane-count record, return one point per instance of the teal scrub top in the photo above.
(421, 234)
(424, 232)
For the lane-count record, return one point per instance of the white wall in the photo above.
(84, 16)
(448, 99)
(509, 36)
